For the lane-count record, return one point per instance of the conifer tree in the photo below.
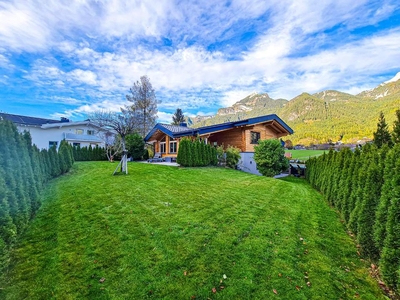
(368, 204)
(8, 230)
(55, 163)
(214, 156)
(178, 117)
(396, 129)
(390, 172)
(390, 259)
(343, 185)
(382, 135)
(357, 194)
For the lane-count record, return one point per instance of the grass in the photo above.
(305, 154)
(173, 233)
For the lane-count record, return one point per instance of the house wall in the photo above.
(41, 137)
(265, 134)
(233, 137)
(167, 152)
(247, 164)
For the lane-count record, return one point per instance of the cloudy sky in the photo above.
(69, 58)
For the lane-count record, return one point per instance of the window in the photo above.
(53, 144)
(162, 147)
(90, 132)
(76, 144)
(78, 131)
(172, 147)
(254, 137)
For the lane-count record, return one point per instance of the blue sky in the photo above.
(70, 58)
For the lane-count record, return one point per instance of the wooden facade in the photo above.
(242, 134)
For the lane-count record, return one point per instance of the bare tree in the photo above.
(122, 123)
(113, 144)
(144, 107)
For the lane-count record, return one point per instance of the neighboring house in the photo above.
(243, 134)
(46, 133)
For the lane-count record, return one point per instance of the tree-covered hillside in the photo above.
(326, 116)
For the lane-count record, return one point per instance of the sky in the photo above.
(69, 58)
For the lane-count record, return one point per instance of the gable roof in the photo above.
(175, 131)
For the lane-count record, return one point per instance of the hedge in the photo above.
(23, 172)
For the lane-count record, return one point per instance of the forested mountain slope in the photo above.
(326, 116)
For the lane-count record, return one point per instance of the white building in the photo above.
(46, 133)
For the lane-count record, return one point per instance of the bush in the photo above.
(270, 157)
(135, 146)
(232, 156)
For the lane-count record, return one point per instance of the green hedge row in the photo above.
(196, 154)
(89, 153)
(24, 170)
(365, 187)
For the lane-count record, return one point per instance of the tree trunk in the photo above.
(124, 164)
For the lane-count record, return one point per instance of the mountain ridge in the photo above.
(321, 117)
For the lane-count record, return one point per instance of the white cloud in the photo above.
(164, 117)
(83, 76)
(293, 52)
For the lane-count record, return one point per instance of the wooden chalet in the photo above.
(243, 134)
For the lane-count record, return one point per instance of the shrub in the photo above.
(270, 157)
(232, 156)
(135, 146)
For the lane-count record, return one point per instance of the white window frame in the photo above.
(174, 145)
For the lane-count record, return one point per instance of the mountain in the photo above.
(325, 116)
(251, 102)
(386, 89)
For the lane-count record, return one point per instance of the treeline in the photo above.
(24, 169)
(364, 186)
(89, 153)
(196, 154)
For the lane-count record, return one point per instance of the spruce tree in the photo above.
(396, 129)
(382, 135)
(178, 117)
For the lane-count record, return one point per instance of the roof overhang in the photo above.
(273, 121)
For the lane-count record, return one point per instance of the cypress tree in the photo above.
(343, 186)
(182, 153)
(14, 177)
(368, 204)
(390, 259)
(8, 230)
(55, 163)
(47, 165)
(349, 199)
(357, 193)
(386, 194)
(214, 157)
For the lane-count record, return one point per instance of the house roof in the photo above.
(175, 131)
(43, 123)
(25, 120)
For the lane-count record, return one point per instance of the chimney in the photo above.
(183, 124)
(63, 119)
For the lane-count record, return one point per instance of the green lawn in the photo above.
(305, 154)
(173, 233)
